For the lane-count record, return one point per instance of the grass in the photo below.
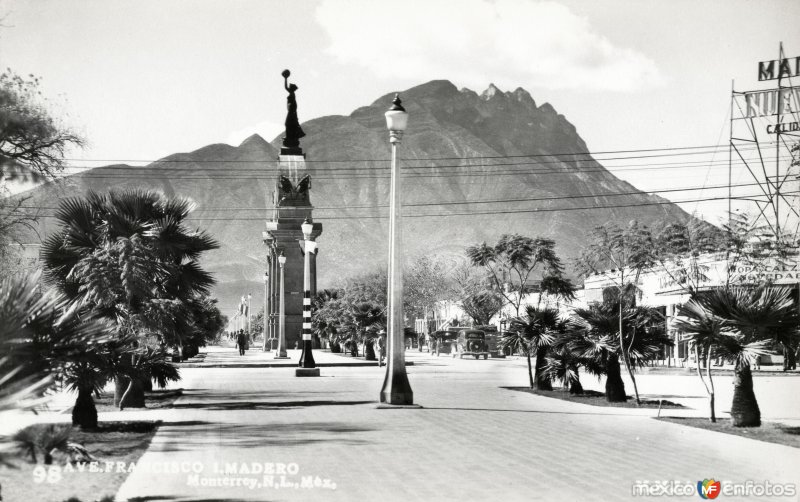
(769, 432)
(112, 441)
(595, 398)
(153, 400)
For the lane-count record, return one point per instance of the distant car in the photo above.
(445, 341)
(472, 342)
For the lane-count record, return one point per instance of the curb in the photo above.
(279, 365)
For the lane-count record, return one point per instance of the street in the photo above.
(472, 440)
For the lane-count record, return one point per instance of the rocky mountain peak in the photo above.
(490, 92)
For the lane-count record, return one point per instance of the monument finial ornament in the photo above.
(294, 132)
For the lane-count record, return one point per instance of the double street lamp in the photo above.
(396, 388)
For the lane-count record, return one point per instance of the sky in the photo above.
(144, 79)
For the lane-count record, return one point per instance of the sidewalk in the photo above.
(228, 357)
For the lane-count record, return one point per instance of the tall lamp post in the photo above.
(268, 239)
(307, 365)
(249, 318)
(281, 352)
(396, 389)
(265, 317)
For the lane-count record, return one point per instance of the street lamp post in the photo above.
(307, 364)
(396, 388)
(268, 239)
(265, 317)
(249, 317)
(281, 352)
(308, 246)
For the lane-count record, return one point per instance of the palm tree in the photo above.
(533, 334)
(365, 315)
(518, 341)
(44, 338)
(600, 322)
(753, 318)
(705, 331)
(643, 340)
(571, 350)
(124, 254)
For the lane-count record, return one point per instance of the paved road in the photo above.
(471, 441)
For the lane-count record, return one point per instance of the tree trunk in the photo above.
(369, 351)
(530, 370)
(625, 354)
(120, 386)
(133, 396)
(84, 413)
(615, 387)
(541, 378)
(575, 386)
(789, 359)
(710, 385)
(147, 384)
(744, 409)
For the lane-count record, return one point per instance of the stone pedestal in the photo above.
(293, 206)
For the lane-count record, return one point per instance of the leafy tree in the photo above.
(622, 254)
(32, 141)
(425, 283)
(682, 250)
(482, 306)
(515, 261)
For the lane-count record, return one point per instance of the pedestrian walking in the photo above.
(241, 342)
(381, 348)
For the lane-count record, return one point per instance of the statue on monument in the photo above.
(293, 130)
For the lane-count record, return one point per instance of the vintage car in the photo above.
(460, 342)
(444, 342)
(472, 342)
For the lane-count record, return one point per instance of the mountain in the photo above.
(514, 150)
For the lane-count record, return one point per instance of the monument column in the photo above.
(293, 206)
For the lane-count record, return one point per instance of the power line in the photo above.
(519, 211)
(491, 212)
(353, 173)
(405, 161)
(466, 202)
(528, 155)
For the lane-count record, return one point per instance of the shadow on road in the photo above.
(266, 405)
(155, 498)
(200, 435)
(548, 412)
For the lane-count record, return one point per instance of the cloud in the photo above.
(266, 129)
(509, 42)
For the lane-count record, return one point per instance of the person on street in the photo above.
(241, 342)
(381, 347)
